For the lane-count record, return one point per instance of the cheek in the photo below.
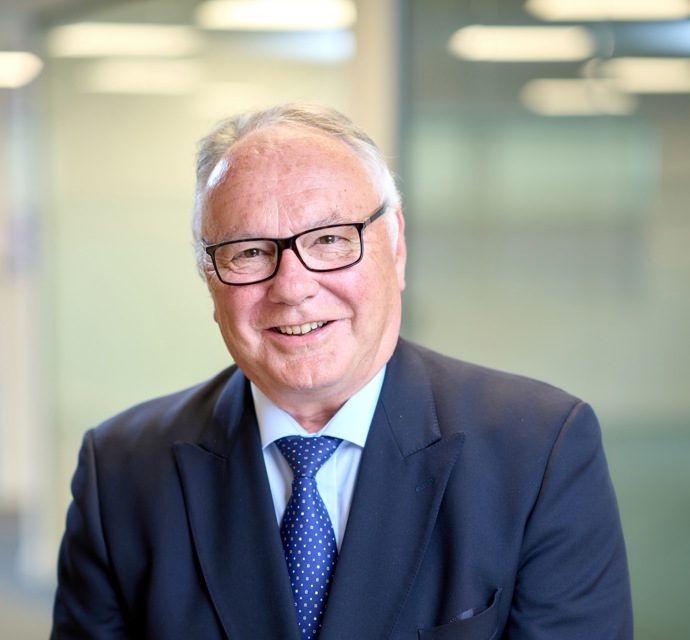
(235, 308)
(371, 297)
(223, 304)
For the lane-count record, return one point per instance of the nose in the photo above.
(293, 283)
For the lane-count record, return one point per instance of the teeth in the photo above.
(300, 329)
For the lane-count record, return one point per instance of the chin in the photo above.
(308, 381)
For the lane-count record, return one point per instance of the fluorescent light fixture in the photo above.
(276, 15)
(321, 47)
(575, 97)
(18, 68)
(649, 75)
(101, 39)
(144, 77)
(522, 44)
(608, 10)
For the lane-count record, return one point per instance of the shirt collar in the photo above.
(350, 423)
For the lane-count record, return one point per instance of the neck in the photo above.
(312, 409)
(312, 417)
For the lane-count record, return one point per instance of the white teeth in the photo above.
(300, 329)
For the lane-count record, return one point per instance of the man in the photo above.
(460, 502)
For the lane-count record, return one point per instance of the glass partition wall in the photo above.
(546, 174)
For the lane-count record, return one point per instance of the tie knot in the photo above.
(307, 455)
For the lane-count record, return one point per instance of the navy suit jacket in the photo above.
(483, 509)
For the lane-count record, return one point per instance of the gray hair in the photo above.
(308, 115)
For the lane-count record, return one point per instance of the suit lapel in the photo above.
(233, 523)
(402, 478)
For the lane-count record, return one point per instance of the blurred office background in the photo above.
(543, 148)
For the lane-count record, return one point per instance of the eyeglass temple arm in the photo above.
(375, 216)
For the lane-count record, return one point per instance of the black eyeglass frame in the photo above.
(290, 243)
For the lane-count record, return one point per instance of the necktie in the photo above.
(307, 532)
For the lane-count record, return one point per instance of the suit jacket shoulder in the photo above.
(185, 415)
(481, 402)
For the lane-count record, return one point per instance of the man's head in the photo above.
(276, 174)
(219, 142)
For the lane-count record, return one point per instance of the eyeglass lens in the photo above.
(320, 250)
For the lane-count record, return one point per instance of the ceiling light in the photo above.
(608, 10)
(18, 68)
(649, 75)
(575, 97)
(522, 44)
(152, 77)
(276, 15)
(96, 39)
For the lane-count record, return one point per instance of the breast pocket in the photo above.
(480, 623)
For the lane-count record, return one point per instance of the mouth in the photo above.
(300, 329)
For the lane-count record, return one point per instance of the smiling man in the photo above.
(336, 481)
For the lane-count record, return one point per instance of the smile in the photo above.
(300, 329)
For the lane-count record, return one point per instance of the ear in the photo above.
(400, 250)
(213, 299)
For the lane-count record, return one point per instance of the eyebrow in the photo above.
(335, 218)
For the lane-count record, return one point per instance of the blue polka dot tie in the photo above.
(307, 532)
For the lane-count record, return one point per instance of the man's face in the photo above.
(281, 182)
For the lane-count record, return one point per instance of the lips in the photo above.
(300, 329)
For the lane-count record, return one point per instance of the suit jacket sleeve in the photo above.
(572, 581)
(86, 603)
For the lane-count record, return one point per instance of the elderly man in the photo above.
(336, 481)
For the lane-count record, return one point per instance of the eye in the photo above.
(329, 239)
(240, 256)
(253, 252)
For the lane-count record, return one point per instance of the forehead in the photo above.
(296, 146)
(284, 171)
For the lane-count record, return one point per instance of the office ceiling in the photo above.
(19, 19)
(22, 20)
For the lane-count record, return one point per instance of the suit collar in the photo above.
(232, 410)
(407, 398)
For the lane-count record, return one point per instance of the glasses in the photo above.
(329, 248)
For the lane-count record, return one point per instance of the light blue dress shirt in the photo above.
(336, 479)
